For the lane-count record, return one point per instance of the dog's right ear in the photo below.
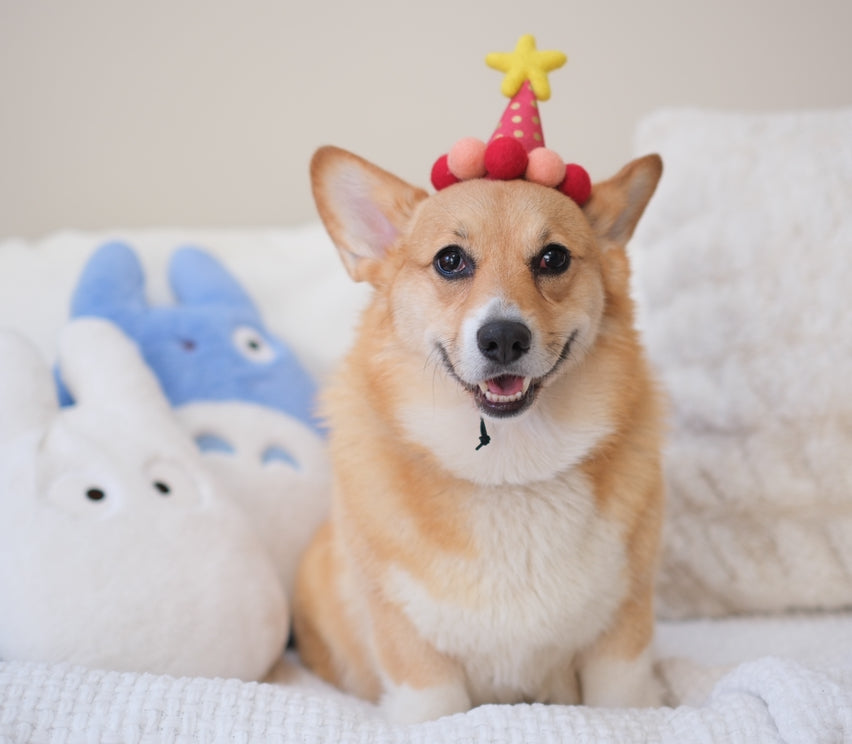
(364, 208)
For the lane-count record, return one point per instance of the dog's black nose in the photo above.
(503, 341)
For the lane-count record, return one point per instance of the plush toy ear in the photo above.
(27, 395)
(364, 208)
(111, 283)
(617, 204)
(99, 363)
(199, 279)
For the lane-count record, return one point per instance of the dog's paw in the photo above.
(406, 704)
(620, 683)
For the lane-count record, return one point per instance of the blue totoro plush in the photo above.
(241, 392)
(211, 345)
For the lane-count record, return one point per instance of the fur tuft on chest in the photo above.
(546, 576)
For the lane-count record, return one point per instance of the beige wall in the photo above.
(171, 113)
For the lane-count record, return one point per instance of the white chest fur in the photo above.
(547, 576)
(533, 447)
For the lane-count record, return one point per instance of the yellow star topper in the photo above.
(526, 63)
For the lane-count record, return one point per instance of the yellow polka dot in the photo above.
(517, 119)
(537, 137)
(534, 104)
(515, 106)
(518, 133)
(536, 120)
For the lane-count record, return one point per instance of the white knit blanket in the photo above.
(767, 700)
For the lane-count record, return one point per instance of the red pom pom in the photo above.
(577, 183)
(441, 176)
(505, 159)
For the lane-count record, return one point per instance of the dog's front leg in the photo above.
(617, 671)
(562, 687)
(419, 682)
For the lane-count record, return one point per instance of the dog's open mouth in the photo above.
(505, 395)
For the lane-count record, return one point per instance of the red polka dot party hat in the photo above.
(516, 150)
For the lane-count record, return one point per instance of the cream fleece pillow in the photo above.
(743, 276)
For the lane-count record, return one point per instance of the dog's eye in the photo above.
(553, 259)
(452, 262)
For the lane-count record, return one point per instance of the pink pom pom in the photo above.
(545, 167)
(505, 159)
(577, 183)
(441, 176)
(467, 158)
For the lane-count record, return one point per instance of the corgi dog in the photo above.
(495, 436)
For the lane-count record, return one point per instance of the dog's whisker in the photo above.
(433, 360)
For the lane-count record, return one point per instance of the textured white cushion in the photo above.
(743, 275)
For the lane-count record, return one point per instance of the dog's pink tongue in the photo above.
(505, 385)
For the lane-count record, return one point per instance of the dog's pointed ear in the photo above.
(364, 208)
(617, 204)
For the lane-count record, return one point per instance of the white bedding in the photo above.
(783, 678)
(770, 699)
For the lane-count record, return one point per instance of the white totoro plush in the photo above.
(117, 550)
(240, 390)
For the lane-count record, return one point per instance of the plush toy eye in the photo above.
(171, 480)
(553, 259)
(252, 345)
(452, 262)
(82, 494)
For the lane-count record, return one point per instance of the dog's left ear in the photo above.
(617, 204)
(364, 208)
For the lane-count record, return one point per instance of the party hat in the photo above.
(516, 150)
(521, 121)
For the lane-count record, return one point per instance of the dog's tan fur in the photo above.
(448, 576)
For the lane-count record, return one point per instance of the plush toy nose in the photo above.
(503, 341)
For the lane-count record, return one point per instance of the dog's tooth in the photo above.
(527, 381)
(494, 398)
